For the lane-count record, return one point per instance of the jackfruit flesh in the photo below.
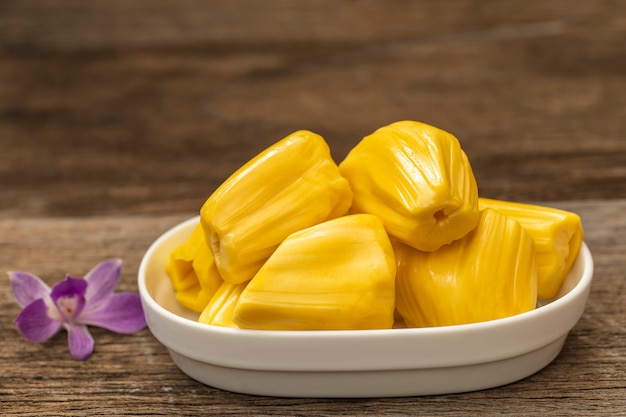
(292, 185)
(418, 180)
(337, 275)
(394, 236)
(192, 272)
(488, 274)
(558, 236)
(219, 310)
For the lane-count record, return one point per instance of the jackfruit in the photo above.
(558, 236)
(337, 275)
(418, 180)
(192, 271)
(219, 310)
(292, 185)
(488, 274)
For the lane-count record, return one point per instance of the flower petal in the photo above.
(27, 288)
(69, 287)
(69, 297)
(35, 324)
(80, 341)
(122, 314)
(102, 280)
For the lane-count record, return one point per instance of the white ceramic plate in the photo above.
(359, 363)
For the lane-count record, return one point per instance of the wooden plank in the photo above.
(145, 107)
(133, 375)
(118, 119)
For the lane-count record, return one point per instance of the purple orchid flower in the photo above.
(75, 303)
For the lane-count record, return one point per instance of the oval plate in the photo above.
(358, 363)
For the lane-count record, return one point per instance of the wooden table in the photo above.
(118, 119)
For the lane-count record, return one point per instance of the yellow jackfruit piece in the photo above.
(291, 185)
(219, 310)
(192, 271)
(418, 180)
(193, 298)
(558, 236)
(179, 267)
(488, 274)
(337, 275)
(205, 268)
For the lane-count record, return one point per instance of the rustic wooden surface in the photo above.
(118, 119)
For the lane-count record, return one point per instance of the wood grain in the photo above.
(118, 119)
(145, 107)
(134, 375)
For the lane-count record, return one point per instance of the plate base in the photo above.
(371, 384)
